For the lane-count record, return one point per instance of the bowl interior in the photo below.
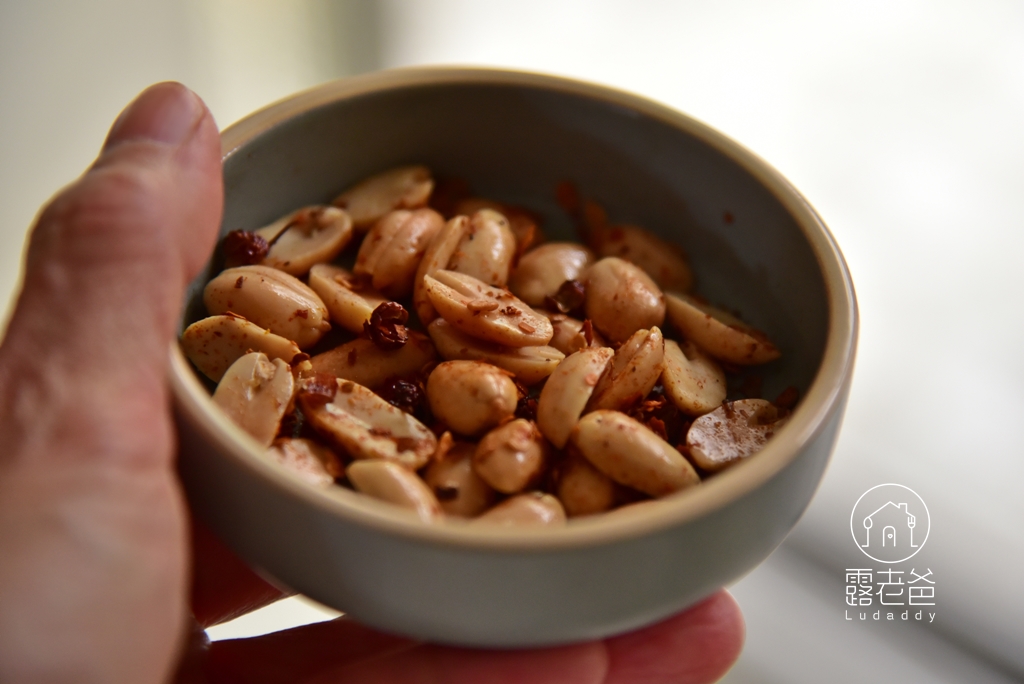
(515, 142)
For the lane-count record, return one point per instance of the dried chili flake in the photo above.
(570, 296)
(403, 394)
(386, 327)
(587, 330)
(242, 247)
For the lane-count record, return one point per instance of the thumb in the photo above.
(109, 258)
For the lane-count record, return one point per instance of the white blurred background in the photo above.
(901, 121)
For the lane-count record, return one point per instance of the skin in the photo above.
(104, 577)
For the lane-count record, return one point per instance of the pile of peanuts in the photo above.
(534, 382)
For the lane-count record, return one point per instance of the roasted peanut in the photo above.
(214, 343)
(388, 481)
(526, 510)
(629, 453)
(457, 487)
(529, 365)
(486, 250)
(632, 373)
(392, 250)
(583, 489)
(732, 432)
(663, 261)
(406, 187)
(349, 299)
(439, 253)
(692, 379)
(471, 397)
(485, 312)
(523, 225)
(363, 425)
(622, 299)
(567, 392)
(312, 462)
(255, 393)
(719, 333)
(271, 299)
(511, 457)
(542, 271)
(363, 362)
(309, 236)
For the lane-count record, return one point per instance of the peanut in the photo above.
(271, 299)
(406, 187)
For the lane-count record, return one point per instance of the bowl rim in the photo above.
(824, 396)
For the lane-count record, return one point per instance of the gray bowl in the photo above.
(755, 245)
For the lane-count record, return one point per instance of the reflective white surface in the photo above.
(900, 121)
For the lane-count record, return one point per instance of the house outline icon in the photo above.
(895, 523)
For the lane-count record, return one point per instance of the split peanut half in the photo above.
(719, 333)
(406, 187)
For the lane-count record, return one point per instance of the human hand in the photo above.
(97, 561)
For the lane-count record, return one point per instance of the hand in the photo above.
(99, 570)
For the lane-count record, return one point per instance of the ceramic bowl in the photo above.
(755, 245)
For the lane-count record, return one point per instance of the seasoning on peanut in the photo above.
(692, 379)
(529, 365)
(542, 271)
(485, 312)
(719, 333)
(405, 187)
(309, 236)
(732, 432)
(363, 425)
(665, 262)
(568, 390)
(622, 299)
(271, 299)
(512, 457)
(486, 250)
(391, 251)
(388, 481)
(471, 397)
(458, 488)
(365, 363)
(216, 342)
(350, 299)
(582, 488)
(632, 373)
(255, 393)
(629, 453)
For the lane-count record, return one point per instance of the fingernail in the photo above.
(165, 112)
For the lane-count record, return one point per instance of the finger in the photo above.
(696, 646)
(693, 647)
(108, 260)
(91, 518)
(223, 586)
